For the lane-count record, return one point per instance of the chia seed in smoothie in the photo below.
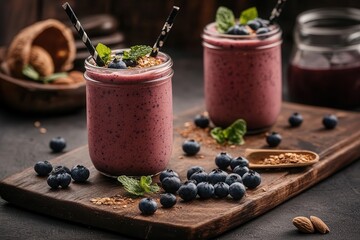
(129, 118)
(242, 77)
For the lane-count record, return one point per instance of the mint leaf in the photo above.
(224, 19)
(30, 72)
(248, 14)
(138, 187)
(136, 52)
(104, 52)
(233, 134)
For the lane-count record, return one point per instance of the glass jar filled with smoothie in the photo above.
(324, 68)
(129, 113)
(242, 71)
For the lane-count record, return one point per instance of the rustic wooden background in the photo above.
(142, 20)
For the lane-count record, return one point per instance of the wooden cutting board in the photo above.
(198, 219)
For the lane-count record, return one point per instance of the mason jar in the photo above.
(129, 118)
(242, 77)
(324, 67)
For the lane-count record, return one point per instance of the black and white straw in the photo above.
(277, 10)
(84, 37)
(165, 31)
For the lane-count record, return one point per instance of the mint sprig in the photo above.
(136, 52)
(29, 72)
(248, 14)
(104, 52)
(224, 19)
(138, 187)
(234, 134)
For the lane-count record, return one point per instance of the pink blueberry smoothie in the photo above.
(129, 118)
(242, 78)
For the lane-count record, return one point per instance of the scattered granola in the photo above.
(146, 61)
(114, 200)
(285, 158)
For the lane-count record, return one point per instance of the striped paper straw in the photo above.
(84, 37)
(164, 32)
(277, 10)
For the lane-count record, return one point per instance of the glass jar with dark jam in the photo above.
(324, 68)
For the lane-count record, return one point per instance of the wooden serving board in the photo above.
(198, 219)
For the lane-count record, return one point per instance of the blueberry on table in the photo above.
(61, 169)
(117, 64)
(237, 191)
(251, 179)
(147, 206)
(80, 173)
(188, 191)
(205, 190)
(221, 189)
(192, 170)
(217, 175)
(57, 144)
(43, 168)
(167, 200)
(295, 119)
(232, 178)
(53, 181)
(273, 139)
(239, 161)
(171, 184)
(167, 173)
(201, 121)
(200, 176)
(64, 179)
(241, 170)
(191, 147)
(222, 160)
(330, 121)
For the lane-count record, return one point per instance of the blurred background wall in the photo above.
(140, 21)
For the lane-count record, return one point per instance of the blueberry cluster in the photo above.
(60, 176)
(257, 26)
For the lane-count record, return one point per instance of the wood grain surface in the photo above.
(198, 219)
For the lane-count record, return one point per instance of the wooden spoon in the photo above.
(256, 158)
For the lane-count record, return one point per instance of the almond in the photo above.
(319, 225)
(303, 224)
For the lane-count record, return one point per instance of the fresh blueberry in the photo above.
(237, 190)
(171, 184)
(129, 62)
(53, 181)
(191, 147)
(205, 190)
(201, 121)
(251, 179)
(64, 179)
(147, 206)
(295, 119)
(167, 200)
(239, 161)
(221, 189)
(117, 64)
(330, 121)
(43, 168)
(199, 176)
(241, 170)
(262, 30)
(263, 22)
(238, 30)
(254, 24)
(60, 169)
(232, 178)
(192, 170)
(223, 160)
(80, 173)
(167, 173)
(217, 175)
(273, 139)
(57, 144)
(188, 191)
